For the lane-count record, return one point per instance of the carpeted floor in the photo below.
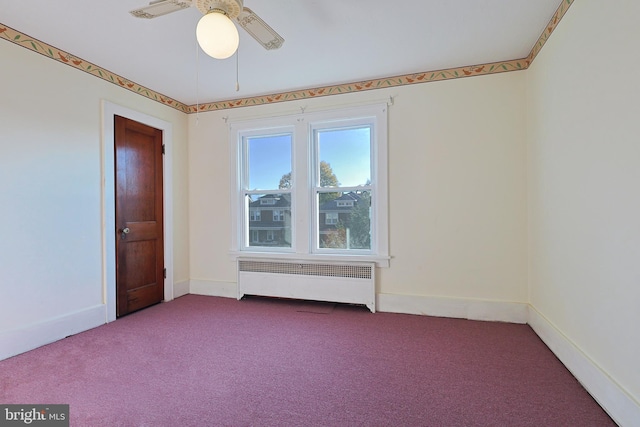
(207, 361)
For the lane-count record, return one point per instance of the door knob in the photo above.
(124, 232)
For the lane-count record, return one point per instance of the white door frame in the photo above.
(109, 110)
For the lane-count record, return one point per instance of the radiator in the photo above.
(352, 283)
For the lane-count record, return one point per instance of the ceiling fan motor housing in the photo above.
(231, 7)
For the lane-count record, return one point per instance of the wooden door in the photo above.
(139, 221)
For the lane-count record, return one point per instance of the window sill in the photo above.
(380, 261)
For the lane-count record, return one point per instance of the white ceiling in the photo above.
(327, 42)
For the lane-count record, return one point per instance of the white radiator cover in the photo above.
(352, 282)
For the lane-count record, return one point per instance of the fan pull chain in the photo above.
(197, 83)
(238, 69)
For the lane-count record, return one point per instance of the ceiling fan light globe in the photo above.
(217, 35)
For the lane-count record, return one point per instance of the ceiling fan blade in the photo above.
(259, 30)
(160, 7)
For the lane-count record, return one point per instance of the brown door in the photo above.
(139, 225)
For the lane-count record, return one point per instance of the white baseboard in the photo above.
(22, 339)
(213, 288)
(406, 304)
(461, 308)
(180, 288)
(624, 410)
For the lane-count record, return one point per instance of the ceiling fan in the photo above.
(216, 33)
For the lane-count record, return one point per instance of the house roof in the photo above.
(280, 202)
(332, 205)
(331, 46)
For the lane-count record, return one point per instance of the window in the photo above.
(331, 218)
(323, 178)
(266, 157)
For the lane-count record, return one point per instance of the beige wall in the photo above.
(584, 175)
(50, 187)
(457, 195)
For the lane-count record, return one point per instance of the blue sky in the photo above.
(346, 150)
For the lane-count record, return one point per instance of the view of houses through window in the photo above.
(344, 219)
(345, 222)
(270, 220)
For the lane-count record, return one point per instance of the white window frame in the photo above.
(304, 212)
(333, 124)
(240, 227)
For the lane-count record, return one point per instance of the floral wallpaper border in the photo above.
(551, 26)
(407, 79)
(49, 51)
(56, 54)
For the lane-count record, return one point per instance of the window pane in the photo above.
(344, 157)
(344, 220)
(269, 220)
(269, 162)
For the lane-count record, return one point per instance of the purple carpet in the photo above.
(206, 361)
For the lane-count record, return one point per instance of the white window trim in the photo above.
(301, 195)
